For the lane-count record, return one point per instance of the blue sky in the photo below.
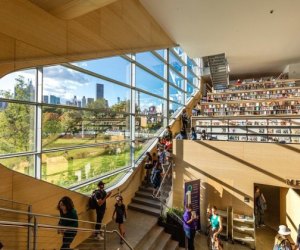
(67, 83)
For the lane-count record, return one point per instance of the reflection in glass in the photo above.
(176, 63)
(176, 95)
(68, 167)
(16, 127)
(176, 79)
(148, 82)
(21, 164)
(151, 62)
(190, 90)
(115, 68)
(20, 85)
(64, 127)
(70, 87)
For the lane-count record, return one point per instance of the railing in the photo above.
(11, 204)
(44, 232)
(163, 193)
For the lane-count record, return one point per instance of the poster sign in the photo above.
(192, 196)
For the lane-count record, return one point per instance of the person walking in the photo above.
(120, 216)
(216, 227)
(67, 211)
(184, 120)
(193, 134)
(101, 197)
(260, 205)
(148, 168)
(283, 239)
(168, 135)
(156, 178)
(189, 225)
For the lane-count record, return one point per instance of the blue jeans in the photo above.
(190, 234)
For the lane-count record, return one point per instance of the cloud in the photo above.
(62, 74)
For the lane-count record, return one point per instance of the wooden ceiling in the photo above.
(69, 9)
(32, 36)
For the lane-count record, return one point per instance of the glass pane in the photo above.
(148, 126)
(68, 127)
(190, 63)
(142, 145)
(19, 85)
(176, 63)
(179, 52)
(174, 109)
(160, 52)
(192, 78)
(190, 90)
(110, 181)
(69, 87)
(149, 105)
(22, 164)
(148, 82)
(176, 79)
(151, 62)
(176, 95)
(115, 68)
(16, 127)
(68, 167)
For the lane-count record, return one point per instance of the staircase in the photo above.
(219, 71)
(154, 238)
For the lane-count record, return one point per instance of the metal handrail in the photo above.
(47, 226)
(17, 202)
(117, 232)
(157, 196)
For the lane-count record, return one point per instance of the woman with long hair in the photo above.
(69, 218)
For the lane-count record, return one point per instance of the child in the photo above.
(121, 215)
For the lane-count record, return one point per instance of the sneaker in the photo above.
(99, 237)
(262, 225)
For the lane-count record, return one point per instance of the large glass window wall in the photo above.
(71, 124)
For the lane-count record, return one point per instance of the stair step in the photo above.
(144, 209)
(150, 238)
(161, 241)
(171, 245)
(144, 195)
(147, 202)
(146, 189)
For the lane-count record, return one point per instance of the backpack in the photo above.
(93, 204)
(283, 245)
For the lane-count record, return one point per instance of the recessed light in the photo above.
(271, 11)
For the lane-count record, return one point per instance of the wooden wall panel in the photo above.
(44, 197)
(33, 37)
(228, 170)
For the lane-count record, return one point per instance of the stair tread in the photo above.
(146, 200)
(161, 241)
(144, 207)
(150, 238)
(171, 245)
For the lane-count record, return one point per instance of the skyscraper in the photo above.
(45, 99)
(54, 99)
(99, 91)
(83, 102)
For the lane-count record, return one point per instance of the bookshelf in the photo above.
(283, 129)
(255, 98)
(225, 222)
(243, 229)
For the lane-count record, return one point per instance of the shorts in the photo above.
(119, 220)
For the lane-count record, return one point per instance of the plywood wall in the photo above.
(228, 170)
(31, 36)
(44, 197)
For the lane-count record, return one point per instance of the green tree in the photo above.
(94, 116)
(17, 123)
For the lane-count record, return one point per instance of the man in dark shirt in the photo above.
(101, 197)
